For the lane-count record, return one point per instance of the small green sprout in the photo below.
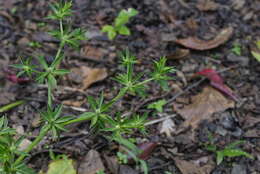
(26, 67)
(122, 158)
(229, 151)
(35, 44)
(100, 172)
(158, 105)
(236, 49)
(256, 54)
(119, 26)
(167, 172)
(60, 10)
(53, 120)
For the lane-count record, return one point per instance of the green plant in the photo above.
(100, 172)
(256, 53)
(35, 44)
(122, 158)
(229, 151)
(158, 105)
(236, 49)
(167, 172)
(116, 127)
(119, 26)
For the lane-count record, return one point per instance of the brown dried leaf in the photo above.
(93, 52)
(91, 163)
(203, 106)
(198, 44)
(188, 167)
(207, 5)
(87, 76)
(178, 54)
(147, 149)
(92, 75)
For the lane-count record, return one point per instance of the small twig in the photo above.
(159, 120)
(76, 108)
(185, 90)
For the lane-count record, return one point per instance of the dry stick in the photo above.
(159, 120)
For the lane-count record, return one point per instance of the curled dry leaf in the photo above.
(203, 106)
(198, 44)
(91, 163)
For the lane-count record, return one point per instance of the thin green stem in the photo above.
(144, 82)
(61, 27)
(49, 96)
(11, 105)
(42, 134)
(76, 120)
(59, 50)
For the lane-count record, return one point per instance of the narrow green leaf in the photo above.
(61, 72)
(52, 83)
(256, 55)
(11, 105)
(220, 157)
(43, 62)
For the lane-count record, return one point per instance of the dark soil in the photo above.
(154, 31)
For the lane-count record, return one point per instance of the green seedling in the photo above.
(236, 49)
(158, 105)
(229, 151)
(256, 54)
(167, 172)
(35, 44)
(119, 25)
(114, 126)
(122, 158)
(100, 172)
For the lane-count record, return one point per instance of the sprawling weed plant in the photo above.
(12, 159)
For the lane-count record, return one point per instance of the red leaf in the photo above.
(224, 89)
(217, 82)
(212, 75)
(146, 148)
(20, 80)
